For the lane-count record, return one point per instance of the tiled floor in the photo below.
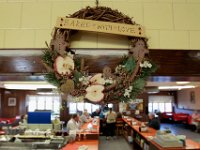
(121, 144)
(114, 144)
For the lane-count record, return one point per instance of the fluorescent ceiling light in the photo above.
(102, 52)
(45, 93)
(90, 52)
(175, 87)
(27, 85)
(182, 82)
(14, 53)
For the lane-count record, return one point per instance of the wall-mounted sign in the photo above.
(100, 26)
(12, 101)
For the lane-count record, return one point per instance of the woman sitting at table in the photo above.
(23, 122)
(56, 123)
(85, 117)
(153, 121)
(73, 123)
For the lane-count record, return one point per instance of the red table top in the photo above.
(92, 145)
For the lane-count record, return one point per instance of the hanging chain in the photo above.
(97, 3)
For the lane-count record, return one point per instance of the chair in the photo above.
(2, 133)
(119, 127)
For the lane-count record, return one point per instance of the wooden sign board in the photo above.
(100, 26)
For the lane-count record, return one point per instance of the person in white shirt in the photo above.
(73, 123)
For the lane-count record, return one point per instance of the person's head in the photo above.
(119, 115)
(110, 109)
(24, 116)
(151, 116)
(56, 118)
(75, 117)
(97, 110)
(85, 112)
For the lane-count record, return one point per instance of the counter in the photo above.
(143, 140)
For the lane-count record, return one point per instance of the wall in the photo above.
(184, 99)
(20, 108)
(170, 24)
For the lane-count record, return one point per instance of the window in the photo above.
(110, 105)
(160, 103)
(36, 102)
(80, 106)
(94, 107)
(72, 108)
(168, 107)
(88, 106)
(77, 107)
(161, 106)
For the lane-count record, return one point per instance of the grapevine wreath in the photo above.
(66, 70)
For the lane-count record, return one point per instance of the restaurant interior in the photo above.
(108, 76)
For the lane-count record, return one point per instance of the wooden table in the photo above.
(86, 137)
(92, 145)
(85, 133)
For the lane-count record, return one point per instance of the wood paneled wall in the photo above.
(20, 108)
(171, 63)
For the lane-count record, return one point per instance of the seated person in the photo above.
(153, 121)
(85, 117)
(56, 123)
(73, 123)
(195, 118)
(96, 113)
(24, 121)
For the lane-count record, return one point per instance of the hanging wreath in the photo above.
(67, 71)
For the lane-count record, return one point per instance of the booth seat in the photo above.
(181, 117)
(2, 132)
(7, 120)
(176, 117)
(166, 115)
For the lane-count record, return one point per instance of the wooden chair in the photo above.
(119, 127)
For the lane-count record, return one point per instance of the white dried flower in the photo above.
(84, 80)
(126, 94)
(146, 64)
(80, 79)
(130, 87)
(109, 81)
(70, 55)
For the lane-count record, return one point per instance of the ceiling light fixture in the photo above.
(182, 82)
(175, 87)
(27, 85)
(100, 52)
